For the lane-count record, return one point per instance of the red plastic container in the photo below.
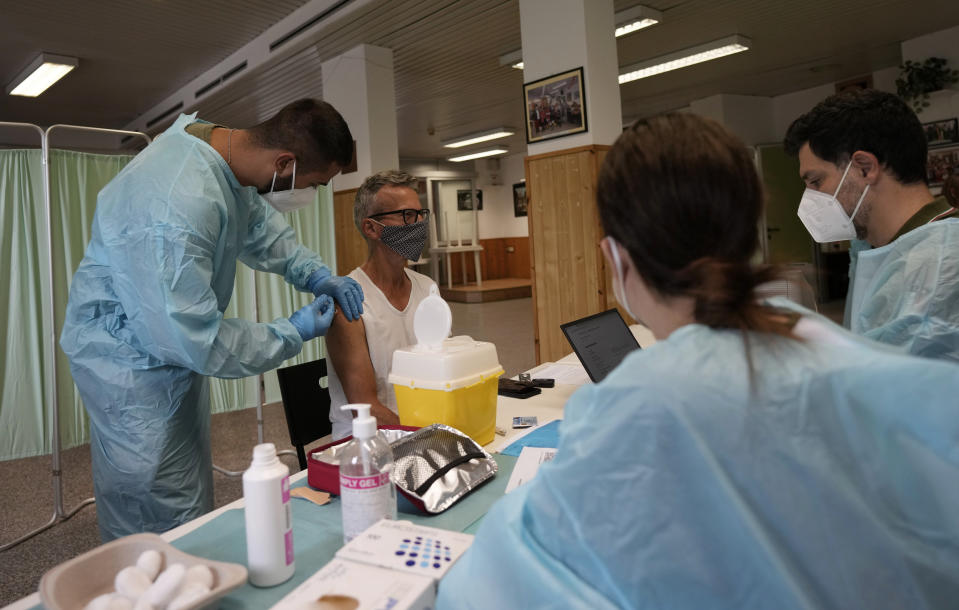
(326, 477)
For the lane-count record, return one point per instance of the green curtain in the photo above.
(277, 299)
(76, 178)
(23, 421)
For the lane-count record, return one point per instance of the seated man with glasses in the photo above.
(388, 214)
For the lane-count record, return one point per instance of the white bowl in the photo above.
(72, 584)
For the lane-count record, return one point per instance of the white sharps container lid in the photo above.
(432, 322)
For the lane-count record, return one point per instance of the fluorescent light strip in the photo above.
(478, 155)
(513, 59)
(627, 21)
(629, 28)
(41, 74)
(687, 57)
(476, 138)
(636, 18)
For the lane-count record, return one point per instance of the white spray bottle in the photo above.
(366, 491)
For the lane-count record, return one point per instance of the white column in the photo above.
(359, 84)
(561, 35)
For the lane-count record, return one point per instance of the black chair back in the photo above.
(307, 405)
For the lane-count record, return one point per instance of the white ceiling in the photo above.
(134, 55)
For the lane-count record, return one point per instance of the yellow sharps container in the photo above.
(446, 380)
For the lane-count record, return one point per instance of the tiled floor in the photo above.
(26, 500)
(507, 324)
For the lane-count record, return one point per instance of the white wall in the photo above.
(944, 104)
(748, 116)
(497, 219)
(585, 29)
(788, 107)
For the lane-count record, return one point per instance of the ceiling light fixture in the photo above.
(479, 155)
(513, 59)
(627, 21)
(42, 72)
(476, 138)
(686, 57)
(636, 18)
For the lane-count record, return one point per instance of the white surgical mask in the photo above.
(823, 216)
(619, 278)
(292, 199)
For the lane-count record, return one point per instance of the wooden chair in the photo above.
(307, 405)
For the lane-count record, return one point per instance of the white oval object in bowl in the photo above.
(73, 583)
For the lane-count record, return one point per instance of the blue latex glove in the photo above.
(345, 290)
(314, 320)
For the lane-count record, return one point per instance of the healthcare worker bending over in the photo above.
(862, 155)
(757, 456)
(144, 324)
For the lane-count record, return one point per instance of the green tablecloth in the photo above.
(318, 534)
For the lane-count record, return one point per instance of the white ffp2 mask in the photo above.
(823, 216)
(292, 199)
(619, 278)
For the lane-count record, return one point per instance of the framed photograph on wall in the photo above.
(555, 106)
(942, 162)
(519, 199)
(942, 133)
(464, 200)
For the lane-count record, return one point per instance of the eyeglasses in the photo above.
(409, 216)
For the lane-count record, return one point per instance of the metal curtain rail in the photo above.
(59, 514)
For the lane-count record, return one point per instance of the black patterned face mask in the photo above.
(405, 240)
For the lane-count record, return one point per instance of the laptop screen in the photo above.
(601, 342)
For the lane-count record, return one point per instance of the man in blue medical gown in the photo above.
(862, 156)
(144, 323)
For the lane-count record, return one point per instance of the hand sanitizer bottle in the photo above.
(366, 491)
(269, 522)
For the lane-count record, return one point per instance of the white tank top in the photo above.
(387, 329)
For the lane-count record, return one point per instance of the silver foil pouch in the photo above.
(331, 454)
(436, 466)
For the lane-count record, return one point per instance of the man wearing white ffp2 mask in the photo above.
(823, 215)
(904, 257)
(292, 198)
(154, 287)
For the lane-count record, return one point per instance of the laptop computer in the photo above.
(600, 341)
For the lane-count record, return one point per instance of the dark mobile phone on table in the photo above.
(516, 389)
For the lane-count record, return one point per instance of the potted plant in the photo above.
(917, 80)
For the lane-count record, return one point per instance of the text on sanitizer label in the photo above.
(369, 498)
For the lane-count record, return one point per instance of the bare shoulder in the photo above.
(344, 331)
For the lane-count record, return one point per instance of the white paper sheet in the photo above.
(528, 462)
(569, 374)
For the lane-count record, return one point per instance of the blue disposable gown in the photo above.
(906, 293)
(144, 324)
(831, 485)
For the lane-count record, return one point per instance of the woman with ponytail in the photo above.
(757, 456)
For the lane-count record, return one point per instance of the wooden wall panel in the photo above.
(351, 250)
(568, 271)
(502, 257)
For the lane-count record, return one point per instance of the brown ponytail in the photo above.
(725, 296)
(681, 194)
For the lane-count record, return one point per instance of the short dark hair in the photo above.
(869, 120)
(312, 130)
(681, 194)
